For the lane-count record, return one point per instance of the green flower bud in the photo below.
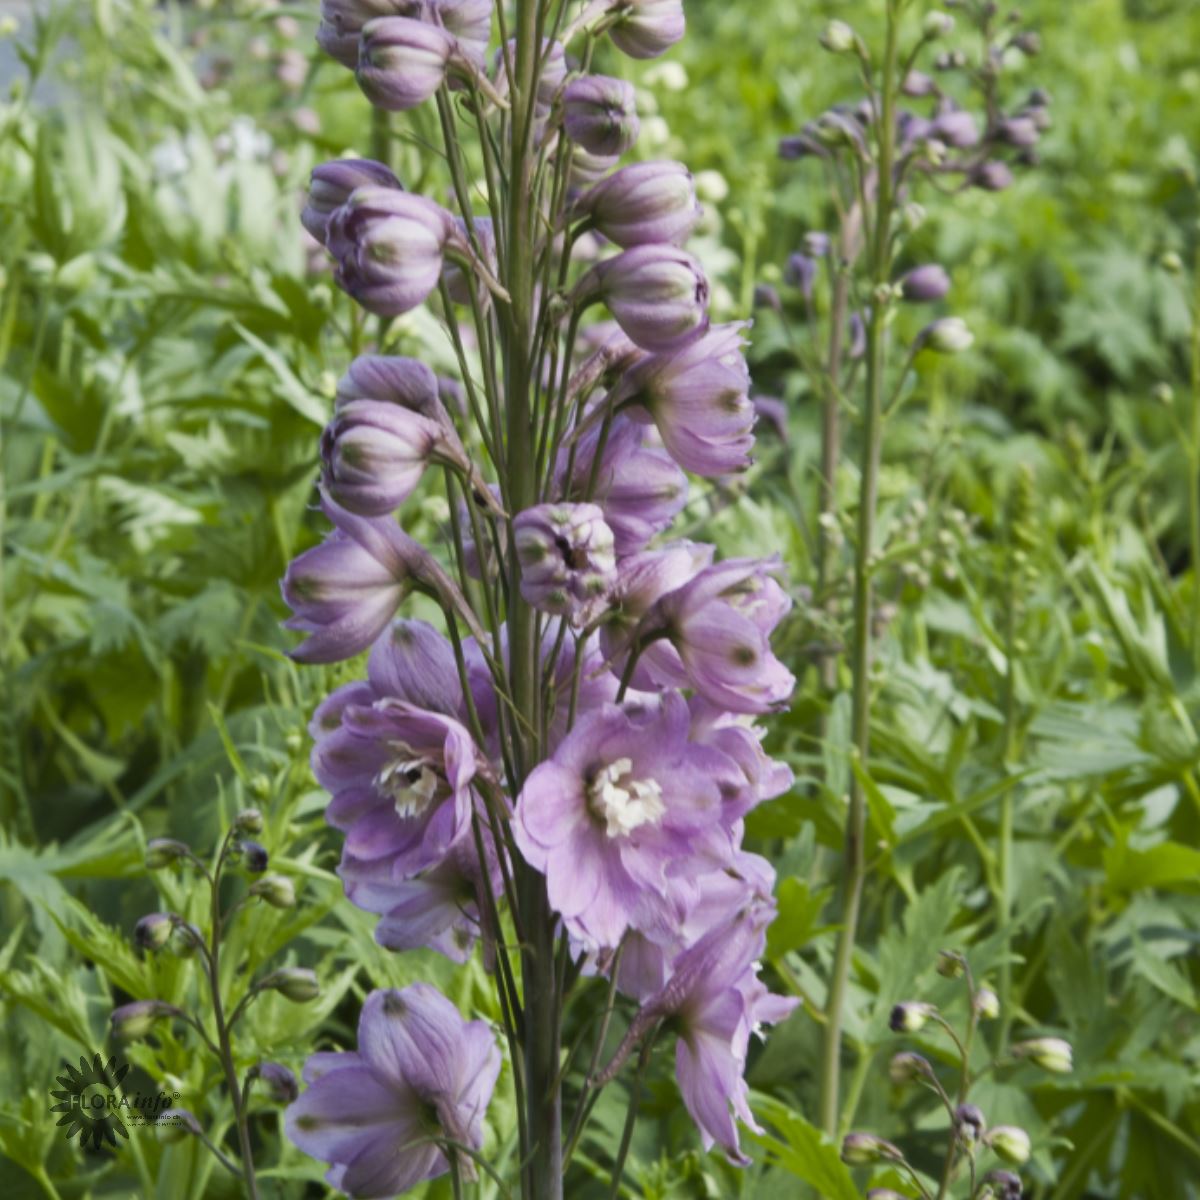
(986, 1004)
(949, 335)
(298, 984)
(277, 890)
(937, 24)
(950, 964)
(862, 1149)
(1051, 1054)
(249, 820)
(153, 931)
(907, 1067)
(1171, 263)
(161, 852)
(838, 38)
(910, 1016)
(1009, 1143)
(1164, 393)
(133, 1021)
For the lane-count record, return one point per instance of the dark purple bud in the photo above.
(332, 185)
(969, 1122)
(648, 28)
(279, 1081)
(1018, 131)
(910, 1016)
(402, 62)
(801, 272)
(1029, 43)
(657, 294)
(992, 176)
(644, 203)
(390, 247)
(342, 24)
(1039, 98)
(153, 931)
(922, 285)
(255, 857)
(161, 852)
(765, 296)
(1006, 1183)
(600, 114)
(800, 145)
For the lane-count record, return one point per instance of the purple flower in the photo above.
(648, 28)
(698, 398)
(992, 176)
(956, 128)
(332, 184)
(623, 798)
(567, 562)
(407, 382)
(644, 203)
(402, 62)
(801, 272)
(657, 294)
(342, 23)
(401, 781)
(924, 284)
(600, 114)
(345, 591)
(638, 487)
(470, 21)
(420, 1072)
(390, 247)
(719, 624)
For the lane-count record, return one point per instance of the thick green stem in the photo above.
(855, 858)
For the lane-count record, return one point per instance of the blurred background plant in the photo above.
(169, 342)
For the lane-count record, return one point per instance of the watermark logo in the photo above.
(93, 1104)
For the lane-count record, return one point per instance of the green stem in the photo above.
(855, 860)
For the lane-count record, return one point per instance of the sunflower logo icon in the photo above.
(90, 1101)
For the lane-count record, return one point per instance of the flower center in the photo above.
(624, 804)
(408, 782)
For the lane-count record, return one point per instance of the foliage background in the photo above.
(169, 350)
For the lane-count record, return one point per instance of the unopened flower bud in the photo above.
(992, 176)
(986, 1004)
(133, 1021)
(1029, 43)
(249, 820)
(937, 24)
(277, 890)
(883, 1194)
(648, 28)
(950, 335)
(1171, 263)
(600, 114)
(1003, 1185)
(969, 1123)
(1164, 393)
(402, 62)
(279, 1081)
(254, 857)
(298, 984)
(153, 931)
(918, 85)
(950, 964)
(838, 38)
(955, 128)
(332, 184)
(1019, 131)
(907, 1067)
(922, 285)
(1009, 1143)
(174, 1124)
(568, 563)
(1051, 1054)
(161, 852)
(910, 1016)
(644, 203)
(765, 296)
(862, 1149)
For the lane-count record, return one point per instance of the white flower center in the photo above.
(409, 782)
(625, 804)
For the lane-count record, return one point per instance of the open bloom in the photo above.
(389, 247)
(624, 798)
(420, 1073)
(567, 562)
(698, 397)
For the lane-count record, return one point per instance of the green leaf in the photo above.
(804, 1151)
(290, 387)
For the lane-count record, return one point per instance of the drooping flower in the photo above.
(698, 397)
(657, 294)
(407, 382)
(600, 114)
(648, 28)
(332, 184)
(402, 62)
(642, 204)
(623, 798)
(420, 1073)
(342, 23)
(567, 562)
(389, 247)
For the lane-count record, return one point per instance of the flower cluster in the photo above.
(584, 728)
